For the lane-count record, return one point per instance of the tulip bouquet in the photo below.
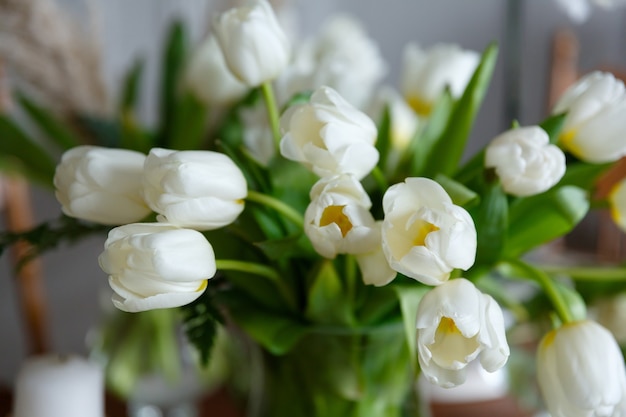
(341, 229)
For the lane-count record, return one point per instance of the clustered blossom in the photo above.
(153, 265)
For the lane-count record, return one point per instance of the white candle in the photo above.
(59, 386)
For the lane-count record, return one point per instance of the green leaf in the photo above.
(383, 142)
(553, 126)
(326, 298)
(173, 64)
(201, 319)
(131, 86)
(491, 219)
(34, 160)
(539, 219)
(105, 132)
(276, 332)
(421, 147)
(574, 301)
(189, 125)
(584, 175)
(459, 193)
(450, 145)
(276, 249)
(53, 128)
(410, 297)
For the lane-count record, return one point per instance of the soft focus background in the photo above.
(77, 290)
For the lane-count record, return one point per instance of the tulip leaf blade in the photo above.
(53, 129)
(189, 123)
(35, 162)
(173, 61)
(410, 297)
(491, 220)
(541, 218)
(459, 193)
(450, 145)
(276, 249)
(553, 126)
(383, 141)
(275, 331)
(200, 320)
(422, 146)
(326, 302)
(584, 175)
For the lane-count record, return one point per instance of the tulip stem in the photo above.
(272, 111)
(284, 209)
(555, 296)
(258, 269)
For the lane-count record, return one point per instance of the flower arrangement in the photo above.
(325, 225)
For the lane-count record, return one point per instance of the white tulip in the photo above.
(153, 265)
(201, 190)
(457, 324)
(617, 204)
(525, 161)
(101, 185)
(329, 136)
(208, 77)
(580, 370)
(375, 269)
(596, 118)
(255, 47)
(338, 219)
(425, 236)
(426, 74)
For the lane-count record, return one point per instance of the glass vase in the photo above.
(337, 372)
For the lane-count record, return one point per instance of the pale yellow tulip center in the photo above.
(567, 140)
(334, 214)
(450, 346)
(421, 230)
(421, 107)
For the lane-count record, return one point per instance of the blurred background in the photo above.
(76, 291)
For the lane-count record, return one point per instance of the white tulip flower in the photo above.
(580, 370)
(426, 74)
(338, 219)
(329, 136)
(425, 236)
(375, 269)
(154, 265)
(596, 118)
(457, 324)
(101, 185)
(209, 78)
(617, 204)
(255, 47)
(525, 161)
(201, 190)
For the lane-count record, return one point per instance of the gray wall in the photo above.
(74, 283)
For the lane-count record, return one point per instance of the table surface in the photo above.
(219, 404)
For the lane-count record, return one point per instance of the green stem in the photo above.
(261, 270)
(278, 205)
(380, 178)
(559, 303)
(272, 111)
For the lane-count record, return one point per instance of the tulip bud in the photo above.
(329, 136)
(338, 219)
(425, 236)
(101, 185)
(525, 161)
(255, 47)
(426, 74)
(152, 265)
(201, 190)
(580, 370)
(596, 118)
(209, 78)
(457, 324)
